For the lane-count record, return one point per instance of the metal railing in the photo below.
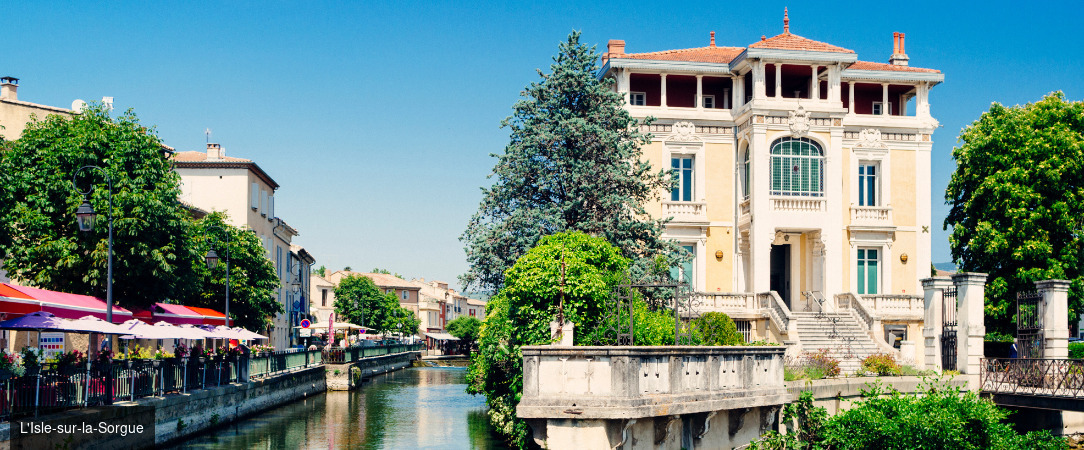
(341, 355)
(1033, 376)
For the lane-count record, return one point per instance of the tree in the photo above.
(1017, 202)
(253, 281)
(321, 271)
(359, 301)
(387, 272)
(716, 328)
(573, 163)
(464, 328)
(40, 242)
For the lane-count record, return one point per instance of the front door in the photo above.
(780, 277)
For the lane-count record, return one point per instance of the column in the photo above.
(970, 293)
(739, 90)
(922, 104)
(850, 98)
(933, 320)
(1055, 314)
(761, 232)
(884, 99)
(778, 80)
(833, 84)
(662, 91)
(760, 91)
(700, 93)
(624, 85)
(815, 85)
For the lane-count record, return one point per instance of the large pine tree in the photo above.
(573, 163)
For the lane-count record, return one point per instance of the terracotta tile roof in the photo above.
(866, 65)
(788, 41)
(202, 157)
(700, 54)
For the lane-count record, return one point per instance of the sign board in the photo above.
(305, 323)
(297, 305)
(305, 332)
(51, 344)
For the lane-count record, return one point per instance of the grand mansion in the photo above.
(803, 176)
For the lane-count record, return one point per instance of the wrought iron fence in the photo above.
(1029, 324)
(1033, 376)
(342, 355)
(618, 321)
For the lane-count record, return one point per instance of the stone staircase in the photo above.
(840, 333)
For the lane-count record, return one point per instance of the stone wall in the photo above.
(347, 376)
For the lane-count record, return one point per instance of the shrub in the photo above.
(883, 364)
(820, 363)
(716, 328)
(1076, 350)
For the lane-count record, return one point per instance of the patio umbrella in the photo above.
(247, 335)
(180, 332)
(37, 321)
(93, 324)
(219, 332)
(138, 329)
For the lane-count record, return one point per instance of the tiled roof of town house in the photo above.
(199, 160)
(202, 157)
(710, 54)
(866, 65)
(788, 41)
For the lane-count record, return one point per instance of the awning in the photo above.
(24, 300)
(442, 336)
(173, 314)
(210, 316)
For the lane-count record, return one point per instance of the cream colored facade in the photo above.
(15, 113)
(806, 172)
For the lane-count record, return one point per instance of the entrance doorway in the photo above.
(780, 276)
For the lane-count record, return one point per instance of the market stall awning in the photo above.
(173, 314)
(442, 336)
(210, 316)
(24, 300)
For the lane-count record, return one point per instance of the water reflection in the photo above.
(411, 408)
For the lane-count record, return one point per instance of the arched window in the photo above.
(797, 167)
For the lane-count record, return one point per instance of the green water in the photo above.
(423, 408)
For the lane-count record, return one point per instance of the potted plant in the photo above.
(32, 360)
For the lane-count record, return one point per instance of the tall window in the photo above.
(745, 174)
(867, 185)
(683, 173)
(323, 297)
(797, 168)
(683, 272)
(868, 260)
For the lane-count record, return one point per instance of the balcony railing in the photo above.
(894, 305)
(790, 204)
(871, 215)
(686, 211)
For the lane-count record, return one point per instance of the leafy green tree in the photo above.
(465, 328)
(359, 301)
(1017, 199)
(573, 163)
(388, 272)
(404, 321)
(39, 239)
(570, 271)
(253, 281)
(321, 271)
(716, 328)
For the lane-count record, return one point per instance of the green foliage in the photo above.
(573, 163)
(38, 231)
(1017, 199)
(940, 416)
(883, 364)
(585, 269)
(716, 328)
(1076, 350)
(996, 336)
(387, 272)
(321, 271)
(812, 366)
(360, 302)
(464, 327)
(253, 281)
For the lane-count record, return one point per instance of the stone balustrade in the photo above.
(801, 204)
(686, 211)
(871, 215)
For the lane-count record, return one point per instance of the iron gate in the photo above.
(619, 320)
(1029, 324)
(948, 329)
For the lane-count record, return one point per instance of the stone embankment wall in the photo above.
(347, 376)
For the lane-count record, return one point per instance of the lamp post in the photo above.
(85, 216)
(212, 261)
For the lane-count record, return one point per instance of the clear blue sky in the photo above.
(378, 118)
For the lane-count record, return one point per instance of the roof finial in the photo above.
(786, 21)
(712, 38)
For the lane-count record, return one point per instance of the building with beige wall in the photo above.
(15, 113)
(801, 171)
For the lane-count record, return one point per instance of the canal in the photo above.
(424, 407)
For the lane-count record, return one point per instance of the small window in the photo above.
(405, 295)
(745, 328)
(637, 98)
(323, 297)
(867, 185)
(878, 108)
(682, 168)
(709, 101)
(683, 272)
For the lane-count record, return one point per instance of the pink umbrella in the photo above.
(219, 332)
(247, 335)
(93, 324)
(138, 329)
(181, 332)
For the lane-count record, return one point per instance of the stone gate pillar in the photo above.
(932, 321)
(970, 296)
(1055, 307)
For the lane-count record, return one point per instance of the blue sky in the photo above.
(377, 119)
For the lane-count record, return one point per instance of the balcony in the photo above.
(798, 204)
(871, 216)
(686, 211)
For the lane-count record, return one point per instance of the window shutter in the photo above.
(255, 201)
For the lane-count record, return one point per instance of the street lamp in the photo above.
(212, 261)
(85, 216)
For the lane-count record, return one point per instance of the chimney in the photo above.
(614, 49)
(712, 38)
(9, 87)
(214, 151)
(899, 55)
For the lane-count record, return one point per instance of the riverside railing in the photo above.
(51, 388)
(343, 355)
(1048, 377)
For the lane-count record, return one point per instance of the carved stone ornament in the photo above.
(870, 138)
(683, 132)
(799, 121)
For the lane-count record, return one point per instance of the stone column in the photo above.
(1055, 308)
(778, 80)
(662, 91)
(850, 97)
(700, 93)
(885, 110)
(970, 293)
(815, 85)
(933, 320)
